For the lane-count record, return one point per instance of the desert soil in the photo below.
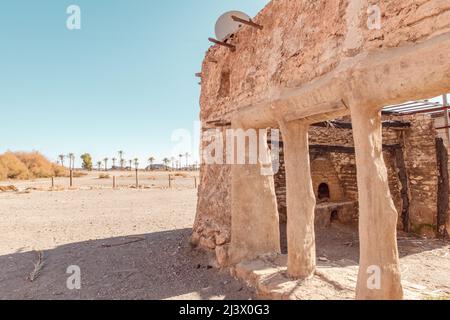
(90, 227)
(133, 244)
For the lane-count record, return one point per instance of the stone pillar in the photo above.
(254, 213)
(301, 200)
(379, 275)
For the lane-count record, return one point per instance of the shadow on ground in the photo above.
(162, 266)
(341, 243)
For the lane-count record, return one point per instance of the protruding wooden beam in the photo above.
(219, 123)
(349, 150)
(212, 60)
(224, 44)
(247, 22)
(348, 125)
(198, 75)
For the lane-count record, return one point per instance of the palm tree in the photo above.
(130, 162)
(61, 158)
(106, 163)
(114, 163)
(181, 157)
(151, 160)
(173, 162)
(99, 165)
(136, 163)
(166, 162)
(187, 155)
(121, 159)
(71, 157)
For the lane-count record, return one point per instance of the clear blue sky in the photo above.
(124, 81)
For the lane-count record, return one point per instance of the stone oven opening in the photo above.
(323, 192)
(415, 143)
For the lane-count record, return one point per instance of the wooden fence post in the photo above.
(443, 187)
(170, 181)
(403, 177)
(137, 179)
(71, 178)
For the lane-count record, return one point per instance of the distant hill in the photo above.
(28, 165)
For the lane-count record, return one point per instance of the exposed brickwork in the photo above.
(338, 170)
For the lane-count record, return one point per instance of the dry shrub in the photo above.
(38, 166)
(182, 175)
(60, 171)
(8, 188)
(103, 176)
(22, 165)
(79, 174)
(15, 169)
(3, 171)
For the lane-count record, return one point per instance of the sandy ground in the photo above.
(124, 179)
(133, 244)
(424, 265)
(91, 228)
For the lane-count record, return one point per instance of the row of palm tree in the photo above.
(69, 156)
(169, 163)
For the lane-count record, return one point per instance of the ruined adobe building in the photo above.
(410, 154)
(316, 61)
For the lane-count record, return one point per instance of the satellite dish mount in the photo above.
(228, 24)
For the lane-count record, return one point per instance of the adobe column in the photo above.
(301, 200)
(254, 212)
(379, 273)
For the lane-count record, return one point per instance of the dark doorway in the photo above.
(334, 216)
(324, 191)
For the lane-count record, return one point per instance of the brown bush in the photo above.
(60, 171)
(181, 175)
(15, 169)
(79, 174)
(22, 165)
(3, 171)
(38, 166)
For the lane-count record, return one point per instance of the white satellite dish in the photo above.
(225, 25)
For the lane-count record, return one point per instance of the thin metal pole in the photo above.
(53, 182)
(114, 182)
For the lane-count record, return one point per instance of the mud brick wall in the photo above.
(420, 156)
(419, 149)
(303, 40)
